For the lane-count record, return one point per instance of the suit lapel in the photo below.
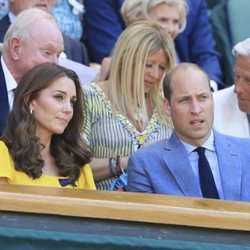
(4, 102)
(177, 161)
(4, 25)
(230, 167)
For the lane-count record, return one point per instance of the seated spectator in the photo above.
(196, 160)
(195, 44)
(103, 24)
(41, 145)
(170, 14)
(33, 38)
(232, 105)
(3, 8)
(68, 15)
(126, 112)
(73, 50)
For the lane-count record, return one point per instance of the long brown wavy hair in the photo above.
(68, 149)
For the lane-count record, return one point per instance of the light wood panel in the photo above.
(152, 208)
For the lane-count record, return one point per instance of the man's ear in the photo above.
(15, 48)
(167, 107)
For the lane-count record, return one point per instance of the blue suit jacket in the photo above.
(74, 50)
(102, 25)
(4, 102)
(164, 168)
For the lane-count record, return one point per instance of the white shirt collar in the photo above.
(208, 144)
(9, 79)
(12, 17)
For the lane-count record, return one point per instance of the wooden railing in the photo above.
(136, 207)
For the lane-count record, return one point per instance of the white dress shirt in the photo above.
(10, 83)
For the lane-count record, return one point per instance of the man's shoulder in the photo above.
(233, 140)
(227, 92)
(152, 148)
(225, 96)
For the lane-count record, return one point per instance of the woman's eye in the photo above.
(73, 101)
(58, 97)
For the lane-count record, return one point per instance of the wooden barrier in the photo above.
(122, 206)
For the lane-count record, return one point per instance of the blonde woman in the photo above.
(125, 112)
(170, 14)
(195, 44)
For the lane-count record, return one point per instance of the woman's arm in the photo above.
(101, 169)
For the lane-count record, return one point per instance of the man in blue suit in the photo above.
(172, 166)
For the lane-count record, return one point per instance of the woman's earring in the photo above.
(31, 111)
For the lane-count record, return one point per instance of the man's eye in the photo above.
(183, 100)
(204, 97)
(47, 53)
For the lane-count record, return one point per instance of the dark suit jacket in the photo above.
(74, 50)
(196, 44)
(102, 25)
(4, 102)
(164, 168)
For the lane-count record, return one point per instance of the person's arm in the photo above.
(138, 180)
(101, 168)
(102, 25)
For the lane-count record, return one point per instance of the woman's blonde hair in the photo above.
(126, 78)
(135, 10)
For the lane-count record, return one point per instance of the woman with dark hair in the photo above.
(42, 144)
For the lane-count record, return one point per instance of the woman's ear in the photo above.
(166, 105)
(29, 104)
(32, 106)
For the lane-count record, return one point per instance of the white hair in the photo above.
(242, 48)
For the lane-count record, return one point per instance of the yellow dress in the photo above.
(85, 181)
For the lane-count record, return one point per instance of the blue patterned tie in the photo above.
(207, 183)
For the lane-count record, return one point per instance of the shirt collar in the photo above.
(12, 17)
(208, 144)
(9, 79)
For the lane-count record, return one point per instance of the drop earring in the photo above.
(31, 111)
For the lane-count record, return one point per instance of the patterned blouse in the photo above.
(111, 134)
